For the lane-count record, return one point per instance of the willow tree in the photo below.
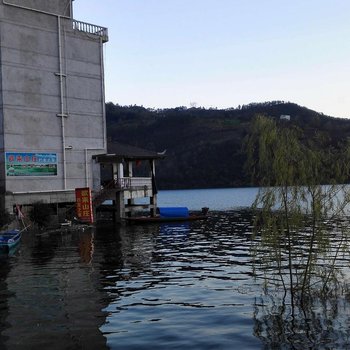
(294, 207)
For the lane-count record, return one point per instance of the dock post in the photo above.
(120, 207)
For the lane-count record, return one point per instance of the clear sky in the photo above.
(225, 53)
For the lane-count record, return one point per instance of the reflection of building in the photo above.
(54, 297)
(51, 101)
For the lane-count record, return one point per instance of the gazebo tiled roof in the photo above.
(118, 152)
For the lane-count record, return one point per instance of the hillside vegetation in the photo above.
(204, 146)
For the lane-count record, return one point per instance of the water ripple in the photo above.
(157, 287)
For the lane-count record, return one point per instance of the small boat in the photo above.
(171, 214)
(9, 239)
(158, 219)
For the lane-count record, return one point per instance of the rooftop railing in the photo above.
(91, 29)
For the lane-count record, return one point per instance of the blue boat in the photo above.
(170, 214)
(9, 239)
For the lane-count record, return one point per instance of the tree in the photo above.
(295, 209)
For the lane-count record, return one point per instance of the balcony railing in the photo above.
(122, 184)
(91, 29)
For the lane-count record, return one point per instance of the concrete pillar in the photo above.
(130, 169)
(96, 176)
(118, 203)
(120, 207)
(118, 171)
(131, 201)
(153, 199)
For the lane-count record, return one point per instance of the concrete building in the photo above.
(285, 117)
(52, 108)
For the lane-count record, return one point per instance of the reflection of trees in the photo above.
(323, 267)
(318, 324)
(287, 319)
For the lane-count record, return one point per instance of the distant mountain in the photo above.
(204, 146)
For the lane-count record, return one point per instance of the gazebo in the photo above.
(121, 182)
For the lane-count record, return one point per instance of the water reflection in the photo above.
(5, 295)
(197, 285)
(86, 247)
(181, 285)
(321, 324)
(53, 298)
(157, 286)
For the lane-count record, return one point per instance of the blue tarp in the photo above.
(173, 212)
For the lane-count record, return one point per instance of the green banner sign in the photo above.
(31, 164)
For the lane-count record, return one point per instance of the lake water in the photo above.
(190, 286)
(215, 199)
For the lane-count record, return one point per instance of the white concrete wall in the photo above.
(30, 95)
(58, 7)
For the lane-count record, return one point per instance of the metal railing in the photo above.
(91, 29)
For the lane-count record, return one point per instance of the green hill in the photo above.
(204, 146)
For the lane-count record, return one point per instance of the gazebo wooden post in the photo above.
(153, 198)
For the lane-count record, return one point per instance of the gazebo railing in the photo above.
(133, 182)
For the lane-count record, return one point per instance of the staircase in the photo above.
(105, 194)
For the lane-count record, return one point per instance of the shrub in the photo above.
(40, 214)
